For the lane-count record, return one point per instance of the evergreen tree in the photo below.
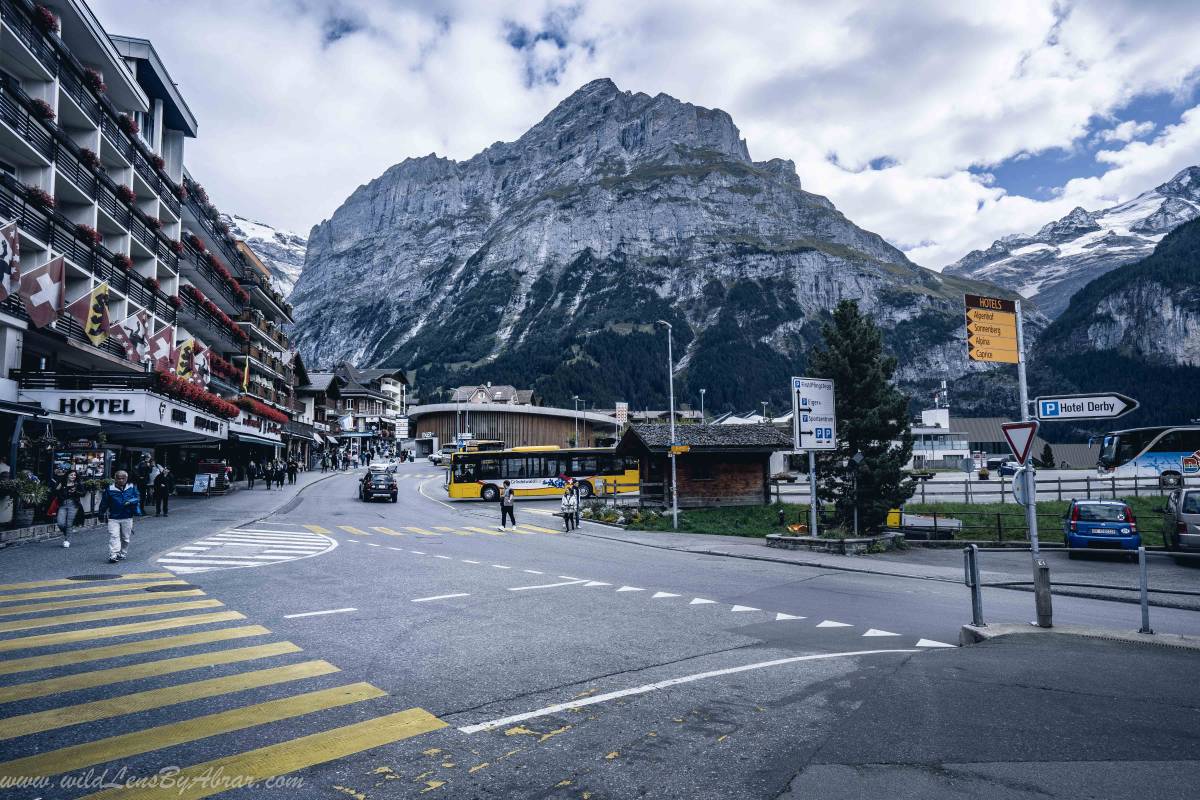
(1047, 461)
(872, 417)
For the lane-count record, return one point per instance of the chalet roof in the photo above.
(322, 382)
(706, 437)
(497, 393)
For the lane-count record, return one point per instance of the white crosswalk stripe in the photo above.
(239, 548)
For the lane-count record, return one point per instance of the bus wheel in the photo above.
(1169, 480)
(585, 489)
(490, 494)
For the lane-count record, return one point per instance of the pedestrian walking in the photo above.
(280, 473)
(570, 502)
(119, 504)
(67, 491)
(507, 512)
(164, 487)
(251, 474)
(292, 468)
(141, 476)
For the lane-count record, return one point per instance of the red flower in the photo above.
(195, 242)
(128, 124)
(45, 19)
(176, 247)
(89, 234)
(152, 284)
(155, 223)
(43, 111)
(181, 193)
(157, 161)
(126, 194)
(175, 301)
(94, 81)
(39, 197)
(122, 261)
(89, 158)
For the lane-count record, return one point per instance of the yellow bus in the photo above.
(539, 472)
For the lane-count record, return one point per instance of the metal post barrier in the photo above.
(999, 529)
(1041, 595)
(1145, 592)
(1060, 488)
(971, 578)
(1089, 486)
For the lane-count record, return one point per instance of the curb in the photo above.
(863, 571)
(971, 634)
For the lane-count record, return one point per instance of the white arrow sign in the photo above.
(1020, 437)
(815, 420)
(1084, 406)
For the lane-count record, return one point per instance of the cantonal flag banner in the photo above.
(10, 260)
(92, 312)
(133, 334)
(185, 358)
(42, 290)
(201, 373)
(162, 349)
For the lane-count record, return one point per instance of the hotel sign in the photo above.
(151, 411)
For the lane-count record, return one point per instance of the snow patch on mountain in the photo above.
(281, 251)
(1049, 266)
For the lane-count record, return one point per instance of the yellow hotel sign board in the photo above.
(991, 329)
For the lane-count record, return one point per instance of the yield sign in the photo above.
(1020, 437)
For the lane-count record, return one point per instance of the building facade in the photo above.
(93, 182)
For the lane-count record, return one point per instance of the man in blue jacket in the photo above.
(119, 504)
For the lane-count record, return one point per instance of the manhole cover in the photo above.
(94, 577)
(177, 588)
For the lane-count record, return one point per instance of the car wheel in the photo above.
(585, 490)
(490, 494)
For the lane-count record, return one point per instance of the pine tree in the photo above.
(1047, 460)
(872, 419)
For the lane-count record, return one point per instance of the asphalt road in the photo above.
(411, 649)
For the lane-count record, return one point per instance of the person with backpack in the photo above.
(570, 503)
(67, 492)
(251, 473)
(164, 487)
(507, 510)
(119, 504)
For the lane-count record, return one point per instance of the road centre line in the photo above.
(651, 687)
(441, 597)
(544, 586)
(320, 613)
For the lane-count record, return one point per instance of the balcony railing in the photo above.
(273, 334)
(81, 176)
(237, 264)
(193, 259)
(202, 314)
(15, 110)
(16, 16)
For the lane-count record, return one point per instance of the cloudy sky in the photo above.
(941, 125)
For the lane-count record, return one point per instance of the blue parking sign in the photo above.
(1049, 408)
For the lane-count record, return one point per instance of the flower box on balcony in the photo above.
(176, 247)
(39, 197)
(127, 195)
(94, 81)
(89, 235)
(129, 125)
(46, 21)
(175, 301)
(42, 110)
(158, 162)
(89, 158)
(152, 284)
(122, 262)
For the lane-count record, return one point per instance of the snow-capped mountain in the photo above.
(281, 251)
(1057, 261)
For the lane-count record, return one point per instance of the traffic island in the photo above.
(975, 634)
(853, 546)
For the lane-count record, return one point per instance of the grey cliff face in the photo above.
(616, 209)
(1065, 255)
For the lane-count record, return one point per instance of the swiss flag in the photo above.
(42, 290)
(162, 349)
(10, 260)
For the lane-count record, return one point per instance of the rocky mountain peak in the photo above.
(1185, 185)
(1077, 222)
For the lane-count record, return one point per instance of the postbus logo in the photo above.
(1192, 463)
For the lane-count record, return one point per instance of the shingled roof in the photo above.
(708, 437)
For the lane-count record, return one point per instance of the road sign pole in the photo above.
(1028, 474)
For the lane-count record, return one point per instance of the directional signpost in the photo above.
(814, 427)
(1109, 405)
(992, 329)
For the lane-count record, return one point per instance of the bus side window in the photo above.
(489, 468)
(464, 471)
(631, 463)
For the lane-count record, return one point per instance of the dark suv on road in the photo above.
(376, 485)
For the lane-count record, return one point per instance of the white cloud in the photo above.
(290, 124)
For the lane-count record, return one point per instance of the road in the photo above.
(412, 649)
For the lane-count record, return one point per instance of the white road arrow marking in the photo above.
(597, 583)
(662, 594)
(932, 643)
(700, 601)
(877, 632)
(781, 616)
(831, 624)
(630, 589)
(440, 597)
(544, 586)
(745, 608)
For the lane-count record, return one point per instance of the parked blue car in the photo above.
(1100, 525)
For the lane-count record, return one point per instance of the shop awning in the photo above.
(248, 439)
(73, 421)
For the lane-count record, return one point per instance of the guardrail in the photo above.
(1000, 490)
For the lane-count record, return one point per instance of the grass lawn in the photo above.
(982, 521)
(755, 521)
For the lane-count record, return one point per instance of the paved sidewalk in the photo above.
(191, 518)
(1172, 585)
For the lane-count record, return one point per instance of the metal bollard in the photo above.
(971, 578)
(1145, 592)
(1041, 595)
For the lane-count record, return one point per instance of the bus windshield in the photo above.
(1121, 448)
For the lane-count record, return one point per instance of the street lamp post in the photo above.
(671, 384)
(576, 442)
(703, 419)
(764, 405)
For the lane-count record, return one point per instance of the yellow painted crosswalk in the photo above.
(238, 685)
